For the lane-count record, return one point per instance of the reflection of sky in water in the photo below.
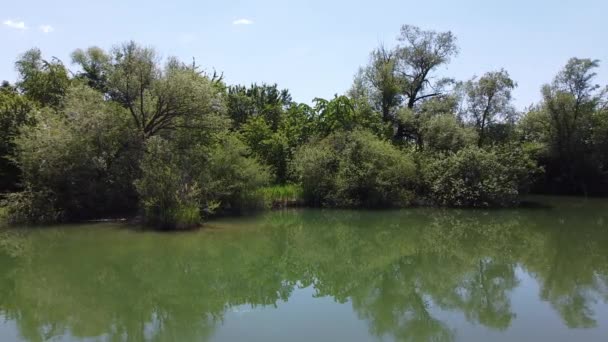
(302, 318)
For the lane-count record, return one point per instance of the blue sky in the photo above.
(315, 47)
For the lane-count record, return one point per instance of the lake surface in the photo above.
(535, 274)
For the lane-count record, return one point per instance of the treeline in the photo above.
(123, 133)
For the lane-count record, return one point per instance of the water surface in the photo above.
(316, 275)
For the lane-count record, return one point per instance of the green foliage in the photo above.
(42, 81)
(15, 112)
(95, 66)
(170, 197)
(473, 177)
(403, 78)
(489, 101)
(570, 124)
(354, 169)
(33, 207)
(161, 99)
(275, 147)
(132, 131)
(266, 101)
(444, 133)
(343, 113)
(233, 176)
(82, 155)
(179, 186)
(280, 196)
(379, 83)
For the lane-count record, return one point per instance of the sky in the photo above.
(314, 48)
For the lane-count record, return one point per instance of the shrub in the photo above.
(232, 176)
(474, 177)
(81, 155)
(32, 207)
(179, 186)
(354, 169)
(169, 198)
(444, 133)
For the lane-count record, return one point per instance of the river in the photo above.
(529, 274)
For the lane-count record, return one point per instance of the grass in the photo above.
(280, 196)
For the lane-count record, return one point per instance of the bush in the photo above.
(81, 155)
(354, 169)
(443, 133)
(169, 197)
(232, 176)
(179, 187)
(32, 207)
(474, 177)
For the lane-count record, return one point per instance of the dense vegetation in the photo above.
(123, 134)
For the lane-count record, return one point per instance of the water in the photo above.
(312, 275)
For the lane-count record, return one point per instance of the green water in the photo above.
(536, 274)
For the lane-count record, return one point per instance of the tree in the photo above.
(354, 169)
(15, 112)
(95, 65)
(474, 177)
(276, 148)
(178, 187)
(566, 123)
(489, 100)
(263, 100)
(42, 81)
(405, 76)
(177, 96)
(82, 158)
(420, 53)
(381, 78)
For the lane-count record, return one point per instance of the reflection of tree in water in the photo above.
(396, 268)
(394, 305)
(484, 295)
(131, 287)
(572, 264)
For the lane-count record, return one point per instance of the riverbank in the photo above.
(290, 196)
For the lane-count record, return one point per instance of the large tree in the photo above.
(489, 100)
(161, 99)
(420, 53)
(568, 123)
(397, 81)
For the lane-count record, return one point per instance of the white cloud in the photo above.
(47, 28)
(19, 25)
(242, 21)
